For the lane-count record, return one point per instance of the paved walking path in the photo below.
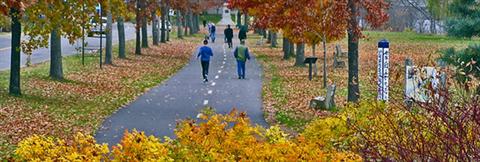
(184, 95)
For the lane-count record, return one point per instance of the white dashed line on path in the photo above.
(223, 62)
(216, 77)
(221, 67)
(213, 84)
(205, 102)
(219, 71)
(210, 91)
(7, 48)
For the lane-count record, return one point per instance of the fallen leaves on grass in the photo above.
(87, 95)
(296, 90)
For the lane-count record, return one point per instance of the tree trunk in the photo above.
(56, 70)
(144, 33)
(154, 28)
(434, 26)
(163, 27)
(286, 48)
(324, 42)
(138, 50)
(292, 48)
(274, 39)
(431, 25)
(269, 40)
(121, 38)
(108, 47)
(196, 24)
(190, 23)
(300, 55)
(144, 26)
(239, 19)
(353, 85)
(315, 69)
(421, 26)
(14, 87)
(179, 25)
(168, 20)
(245, 21)
(264, 33)
(185, 24)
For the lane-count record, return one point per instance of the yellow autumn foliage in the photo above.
(136, 146)
(40, 148)
(216, 137)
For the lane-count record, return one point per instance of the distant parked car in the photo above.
(95, 27)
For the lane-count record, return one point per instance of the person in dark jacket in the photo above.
(242, 55)
(204, 53)
(228, 35)
(213, 29)
(242, 34)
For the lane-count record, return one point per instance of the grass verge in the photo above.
(88, 94)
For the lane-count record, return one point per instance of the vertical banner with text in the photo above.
(382, 70)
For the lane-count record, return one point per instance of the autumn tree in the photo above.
(115, 9)
(14, 10)
(164, 12)
(179, 6)
(135, 6)
(189, 11)
(120, 10)
(108, 43)
(304, 21)
(46, 20)
(144, 20)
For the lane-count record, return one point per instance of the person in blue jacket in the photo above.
(242, 55)
(204, 53)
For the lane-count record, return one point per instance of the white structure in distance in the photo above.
(226, 16)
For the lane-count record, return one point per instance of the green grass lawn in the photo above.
(215, 18)
(412, 37)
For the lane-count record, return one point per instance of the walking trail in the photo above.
(184, 95)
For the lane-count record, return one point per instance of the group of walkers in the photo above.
(240, 53)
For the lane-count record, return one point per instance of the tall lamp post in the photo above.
(101, 34)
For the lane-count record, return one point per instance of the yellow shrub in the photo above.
(136, 146)
(232, 138)
(228, 137)
(40, 148)
(330, 133)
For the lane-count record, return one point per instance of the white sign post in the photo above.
(383, 66)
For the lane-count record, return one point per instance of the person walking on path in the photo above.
(242, 55)
(228, 35)
(213, 29)
(204, 53)
(242, 34)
